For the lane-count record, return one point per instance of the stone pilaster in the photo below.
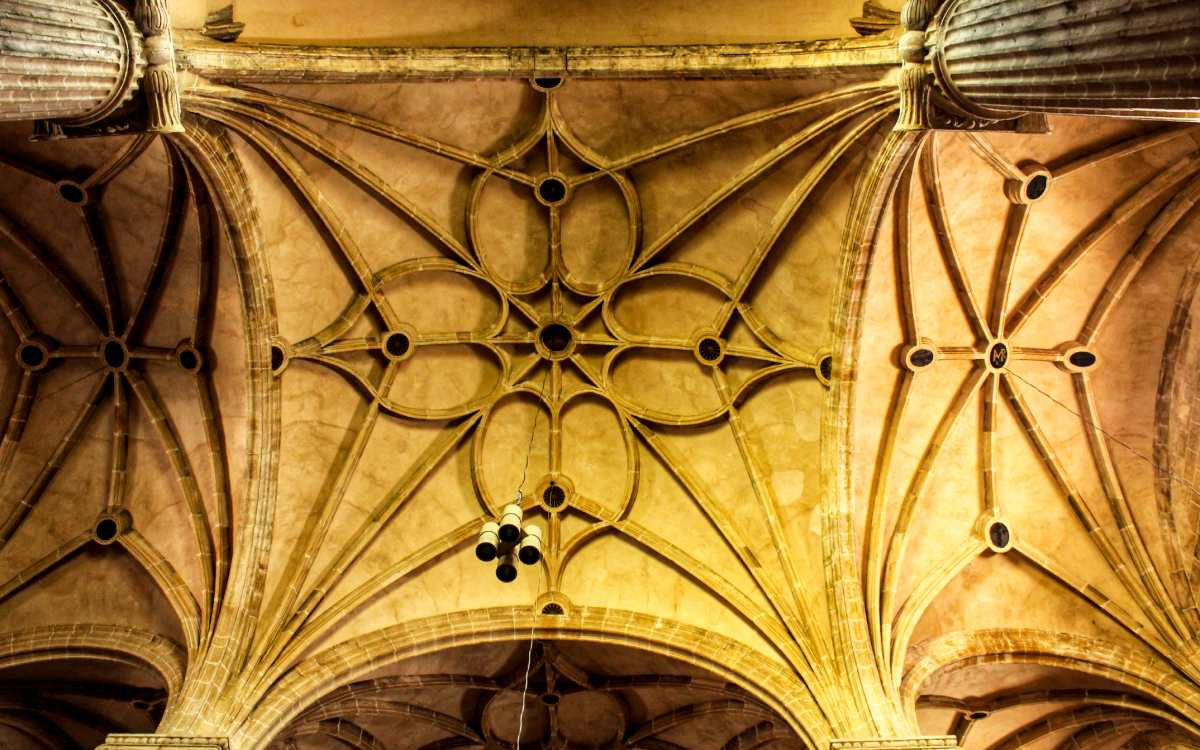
(996, 59)
(164, 114)
(914, 76)
(72, 61)
(162, 742)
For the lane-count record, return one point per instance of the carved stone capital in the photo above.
(916, 79)
(914, 98)
(942, 113)
(163, 109)
(916, 14)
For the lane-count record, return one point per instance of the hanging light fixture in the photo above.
(510, 521)
(489, 541)
(530, 550)
(509, 539)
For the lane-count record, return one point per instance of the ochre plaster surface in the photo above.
(608, 22)
(792, 538)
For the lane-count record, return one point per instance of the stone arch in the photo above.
(768, 681)
(52, 642)
(1026, 646)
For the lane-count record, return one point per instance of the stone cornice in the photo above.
(263, 63)
(176, 742)
(896, 743)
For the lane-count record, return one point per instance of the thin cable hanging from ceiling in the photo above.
(1138, 454)
(532, 433)
(76, 381)
(498, 539)
(509, 539)
(525, 473)
(528, 666)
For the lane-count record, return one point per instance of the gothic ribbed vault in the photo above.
(835, 431)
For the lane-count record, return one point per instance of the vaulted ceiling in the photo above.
(857, 434)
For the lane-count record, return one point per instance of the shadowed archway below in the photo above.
(576, 695)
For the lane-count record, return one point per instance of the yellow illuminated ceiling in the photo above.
(463, 23)
(266, 380)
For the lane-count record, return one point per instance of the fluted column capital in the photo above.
(76, 67)
(73, 61)
(998, 59)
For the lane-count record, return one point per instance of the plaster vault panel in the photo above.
(463, 23)
(266, 380)
(690, 472)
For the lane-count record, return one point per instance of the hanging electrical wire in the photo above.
(508, 538)
(1134, 451)
(520, 496)
(528, 666)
